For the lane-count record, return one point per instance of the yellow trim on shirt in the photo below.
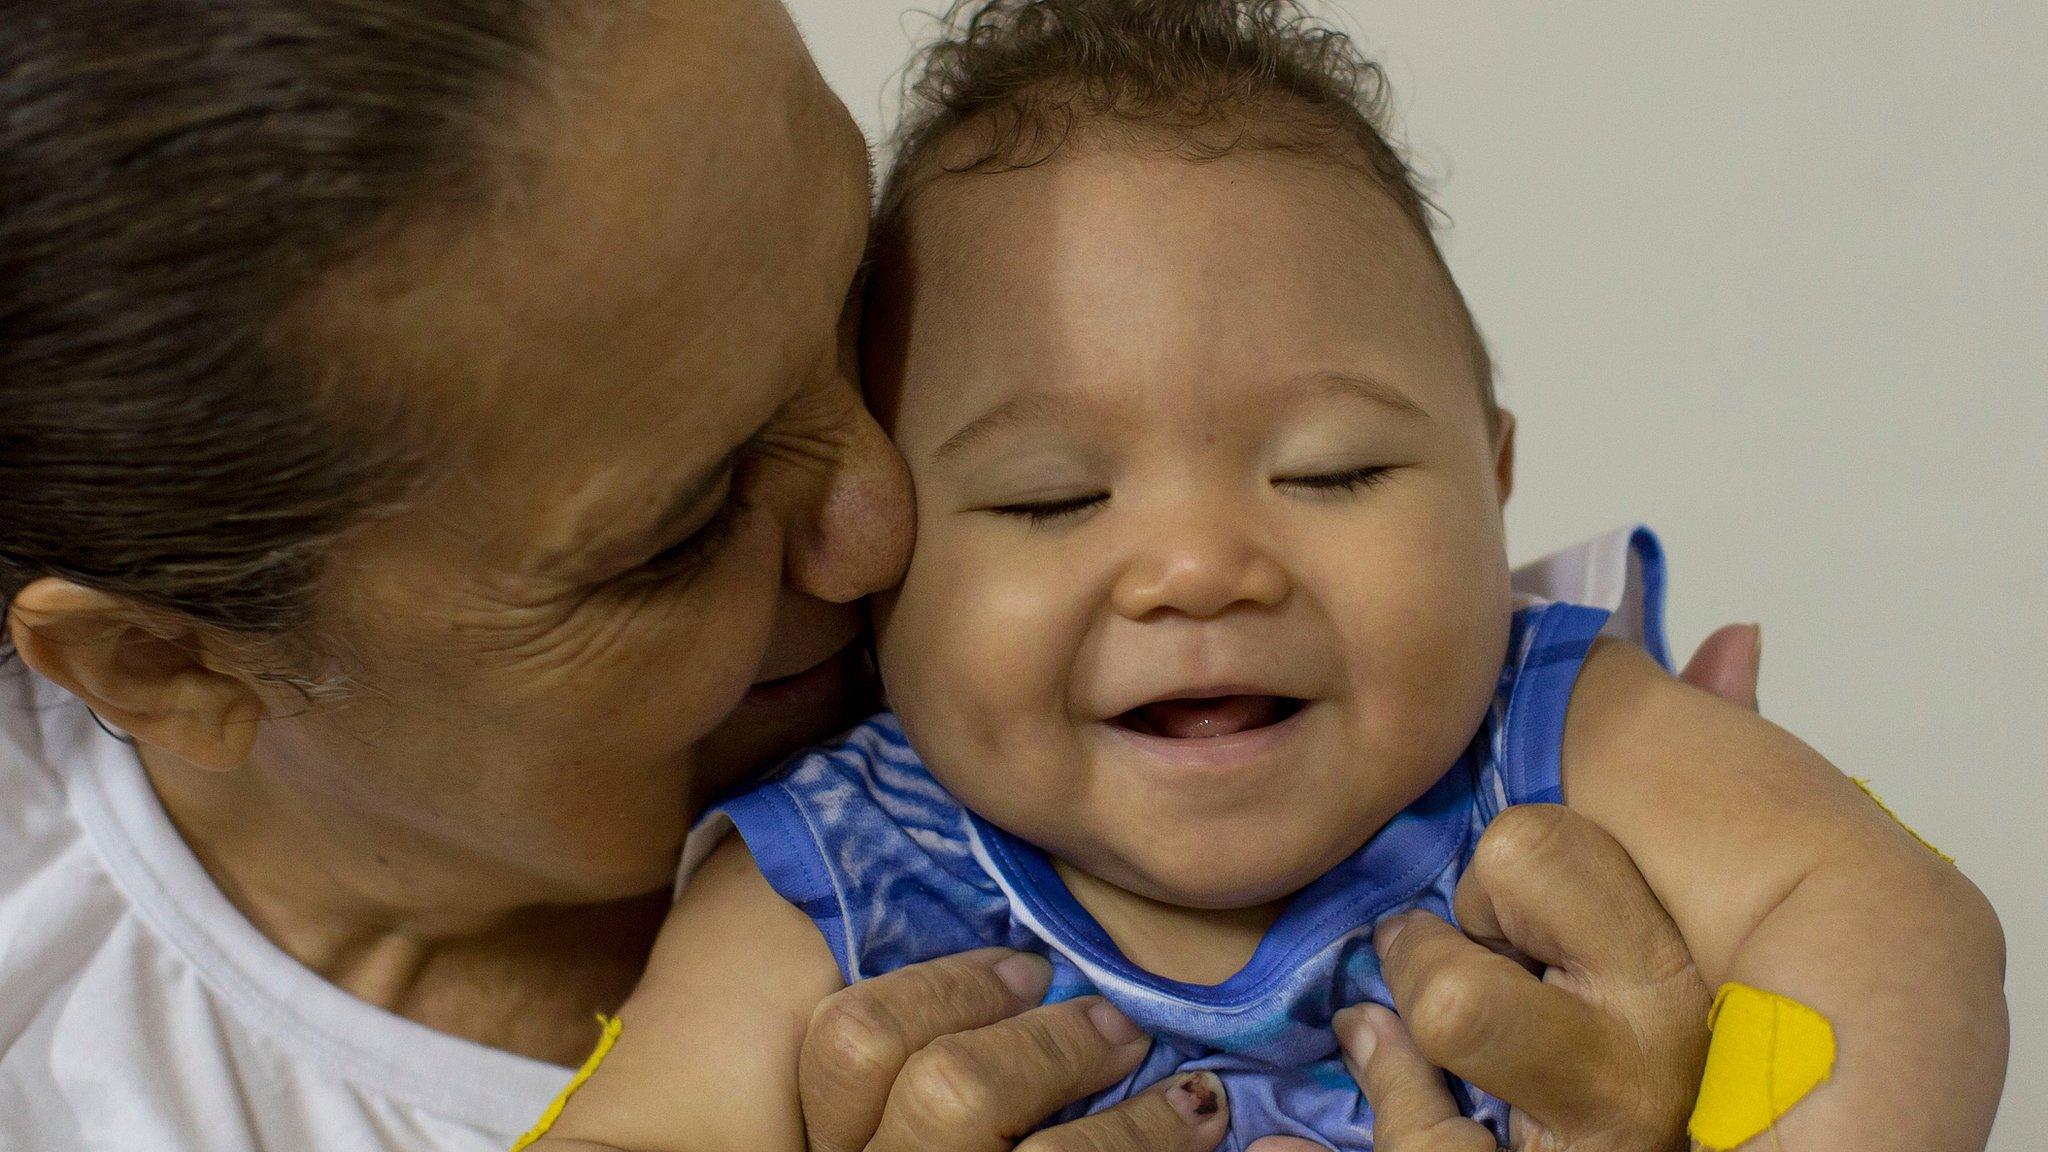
(605, 1040)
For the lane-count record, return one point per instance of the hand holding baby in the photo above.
(1623, 994)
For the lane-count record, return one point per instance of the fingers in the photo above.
(1484, 1017)
(1727, 664)
(1186, 1112)
(1553, 885)
(1621, 1006)
(983, 1089)
(861, 1037)
(1412, 1110)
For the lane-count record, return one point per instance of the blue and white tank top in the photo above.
(894, 870)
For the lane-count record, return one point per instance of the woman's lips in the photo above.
(822, 683)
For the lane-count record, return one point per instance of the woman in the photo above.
(430, 451)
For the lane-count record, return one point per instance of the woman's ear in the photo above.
(138, 671)
(1504, 454)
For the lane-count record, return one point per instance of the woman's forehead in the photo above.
(670, 262)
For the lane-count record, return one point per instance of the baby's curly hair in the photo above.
(1009, 82)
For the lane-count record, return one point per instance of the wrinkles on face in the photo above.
(648, 328)
(811, 435)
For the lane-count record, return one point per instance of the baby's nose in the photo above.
(1198, 570)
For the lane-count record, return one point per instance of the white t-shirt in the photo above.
(140, 1011)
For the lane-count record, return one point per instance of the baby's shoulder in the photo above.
(1623, 699)
(865, 791)
(743, 926)
(877, 854)
(1643, 748)
(723, 1006)
(869, 768)
(1517, 747)
(1625, 706)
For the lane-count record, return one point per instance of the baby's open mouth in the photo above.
(1207, 717)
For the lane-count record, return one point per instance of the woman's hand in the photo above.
(952, 1056)
(1601, 1054)
(1604, 1052)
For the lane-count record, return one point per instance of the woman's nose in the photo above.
(1198, 569)
(856, 538)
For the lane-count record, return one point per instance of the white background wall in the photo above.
(1769, 277)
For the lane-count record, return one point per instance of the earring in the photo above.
(109, 729)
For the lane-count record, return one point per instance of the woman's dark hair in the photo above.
(1009, 82)
(174, 176)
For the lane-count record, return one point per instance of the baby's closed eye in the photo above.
(1046, 509)
(1049, 509)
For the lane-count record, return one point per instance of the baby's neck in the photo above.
(1191, 945)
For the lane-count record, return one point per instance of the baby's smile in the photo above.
(1208, 715)
(1229, 704)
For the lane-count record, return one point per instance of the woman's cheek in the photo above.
(686, 650)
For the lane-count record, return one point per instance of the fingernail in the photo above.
(1346, 1019)
(1383, 937)
(1026, 976)
(1354, 1032)
(1114, 1025)
(1198, 1097)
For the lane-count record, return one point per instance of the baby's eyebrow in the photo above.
(1042, 408)
(1321, 384)
(1030, 408)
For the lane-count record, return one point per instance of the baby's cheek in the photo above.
(1004, 652)
(1426, 683)
(989, 715)
(949, 650)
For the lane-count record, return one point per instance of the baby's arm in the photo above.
(707, 1057)
(1782, 875)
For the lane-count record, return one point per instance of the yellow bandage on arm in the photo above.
(1767, 1053)
(605, 1040)
(1887, 810)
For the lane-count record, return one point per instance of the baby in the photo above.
(1208, 658)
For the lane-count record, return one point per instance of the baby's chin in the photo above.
(1214, 850)
(1215, 872)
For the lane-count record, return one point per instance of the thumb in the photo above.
(1412, 1109)
(1727, 664)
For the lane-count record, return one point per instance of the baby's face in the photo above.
(1209, 579)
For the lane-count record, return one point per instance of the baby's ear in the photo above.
(1504, 453)
(156, 679)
